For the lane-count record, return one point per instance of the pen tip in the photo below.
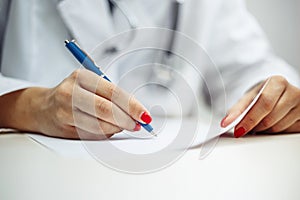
(153, 133)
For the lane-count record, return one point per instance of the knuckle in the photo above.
(267, 122)
(280, 80)
(113, 92)
(116, 93)
(250, 122)
(266, 102)
(104, 108)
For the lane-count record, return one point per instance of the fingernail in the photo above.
(137, 127)
(145, 117)
(223, 124)
(239, 132)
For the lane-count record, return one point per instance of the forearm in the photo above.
(20, 109)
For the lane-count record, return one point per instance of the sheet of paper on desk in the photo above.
(135, 143)
(190, 132)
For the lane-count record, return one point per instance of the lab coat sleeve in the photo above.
(241, 52)
(8, 85)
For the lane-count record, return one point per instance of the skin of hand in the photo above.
(83, 106)
(277, 109)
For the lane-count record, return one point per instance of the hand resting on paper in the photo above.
(277, 109)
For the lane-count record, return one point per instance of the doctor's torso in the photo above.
(221, 34)
(33, 46)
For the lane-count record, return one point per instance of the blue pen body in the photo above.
(84, 59)
(89, 64)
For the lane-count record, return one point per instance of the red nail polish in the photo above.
(145, 117)
(137, 127)
(239, 132)
(223, 121)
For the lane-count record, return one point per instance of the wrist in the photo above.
(21, 109)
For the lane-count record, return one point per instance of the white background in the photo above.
(280, 20)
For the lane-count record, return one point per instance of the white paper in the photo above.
(138, 143)
(191, 131)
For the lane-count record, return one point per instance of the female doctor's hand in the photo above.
(83, 103)
(277, 109)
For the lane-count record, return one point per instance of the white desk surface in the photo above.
(254, 167)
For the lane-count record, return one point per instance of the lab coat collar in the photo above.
(89, 22)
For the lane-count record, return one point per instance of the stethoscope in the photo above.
(162, 73)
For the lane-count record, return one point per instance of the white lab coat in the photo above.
(34, 54)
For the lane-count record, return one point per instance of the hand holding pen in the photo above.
(117, 107)
(83, 106)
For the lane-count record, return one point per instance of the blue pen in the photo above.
(89, 64)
